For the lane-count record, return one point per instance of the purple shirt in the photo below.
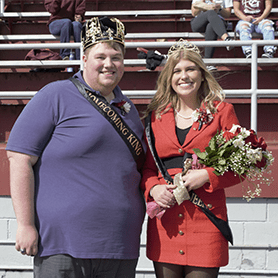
(88, 201)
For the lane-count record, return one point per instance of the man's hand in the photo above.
(78, 18)
(257, 21)
(249, 18)
(27, 240)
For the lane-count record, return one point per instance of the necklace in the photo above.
(186, 118)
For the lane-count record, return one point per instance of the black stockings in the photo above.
(164, 270)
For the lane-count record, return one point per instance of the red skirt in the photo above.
(185, 236)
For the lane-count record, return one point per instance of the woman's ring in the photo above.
(23, 251)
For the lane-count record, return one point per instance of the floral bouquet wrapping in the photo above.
(180, 192)
(241, 151)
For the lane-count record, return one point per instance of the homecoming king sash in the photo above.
(104, 108)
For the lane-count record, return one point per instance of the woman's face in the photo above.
(186, 79)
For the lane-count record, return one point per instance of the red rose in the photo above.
(237, 132)
(255, 142)
(120, 104)
(262, 163)
(262, 143)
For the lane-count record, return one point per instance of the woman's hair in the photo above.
(208, 92)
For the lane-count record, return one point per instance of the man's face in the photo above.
(103, 67)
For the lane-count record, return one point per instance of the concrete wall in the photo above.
(254, 254)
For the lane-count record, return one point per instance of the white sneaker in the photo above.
(268, 54)
(248, 54)
(229, 47)
(211, 68)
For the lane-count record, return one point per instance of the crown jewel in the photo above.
(183, 45)
(102, 29)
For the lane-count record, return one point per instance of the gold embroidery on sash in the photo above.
(134, 142)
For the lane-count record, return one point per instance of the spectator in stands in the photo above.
(75, 158)
(181, 240)
(66, 20)
(209, 18)
(253, 18)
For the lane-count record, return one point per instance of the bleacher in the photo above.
(143, 20)
(153, 24)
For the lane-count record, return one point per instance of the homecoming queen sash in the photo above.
(222, 225)
(105, 109)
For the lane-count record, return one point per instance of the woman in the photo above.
(209, 18)
(184, 242)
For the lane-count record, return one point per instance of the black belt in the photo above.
(176, 161)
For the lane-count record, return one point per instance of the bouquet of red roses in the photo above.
(241, 151)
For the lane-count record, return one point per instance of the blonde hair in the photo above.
(208, 92)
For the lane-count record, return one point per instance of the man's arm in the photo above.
(80, 8)
(266, 12)
(22, 192)
(52, 6)
(239, 13)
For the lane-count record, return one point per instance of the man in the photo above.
(66, 21)
(253, 18)
(74, 164)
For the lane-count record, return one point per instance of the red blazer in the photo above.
(164, 240)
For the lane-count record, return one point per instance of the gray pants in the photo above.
(65, 266)
(212, 25)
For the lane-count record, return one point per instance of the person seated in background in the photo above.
(253, 18)
(209, 18)
(66, 20)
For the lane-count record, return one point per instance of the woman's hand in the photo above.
(216, 7)
(195, 179)
(163, 196)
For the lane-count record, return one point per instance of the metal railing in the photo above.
(128, 36)
(136, 13)
(253, 93)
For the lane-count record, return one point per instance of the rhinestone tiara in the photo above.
(183, 45)
(102, 29)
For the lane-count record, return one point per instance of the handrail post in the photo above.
(254, 86)
(2, 6)
(81, 57)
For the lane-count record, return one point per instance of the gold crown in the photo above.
(102, 29)
(183, 45)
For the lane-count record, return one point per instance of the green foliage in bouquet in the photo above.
(241, 151)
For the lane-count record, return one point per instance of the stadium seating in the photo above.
(152, 24)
